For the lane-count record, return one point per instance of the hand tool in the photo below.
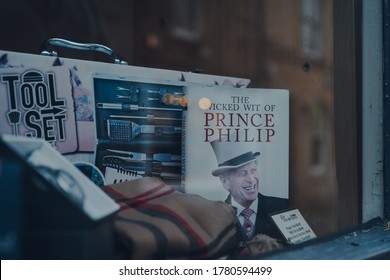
(132, 107)
(141, 156)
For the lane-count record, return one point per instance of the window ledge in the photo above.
(370, 240)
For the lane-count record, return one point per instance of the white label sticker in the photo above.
(293, 226)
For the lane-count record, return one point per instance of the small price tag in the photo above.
(293, 226)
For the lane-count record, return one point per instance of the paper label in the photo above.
(293, 226)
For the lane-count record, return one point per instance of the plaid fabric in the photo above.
(157, 222)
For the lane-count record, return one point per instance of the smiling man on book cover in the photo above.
(236, 150)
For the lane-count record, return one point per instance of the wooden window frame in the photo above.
(386, 107)
(347, 50)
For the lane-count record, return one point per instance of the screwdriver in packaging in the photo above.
(132, 107)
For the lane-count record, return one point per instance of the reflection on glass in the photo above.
(64, 182)
(277, 44)
(59, 178)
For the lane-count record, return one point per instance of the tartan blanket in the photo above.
(157, 222)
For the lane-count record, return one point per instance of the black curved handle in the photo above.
(80, 46)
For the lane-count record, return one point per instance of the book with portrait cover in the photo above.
(227, 129)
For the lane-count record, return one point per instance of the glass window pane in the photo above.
(277, 44)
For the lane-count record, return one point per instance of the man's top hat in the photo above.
(231, 155)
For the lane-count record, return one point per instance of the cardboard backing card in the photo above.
(145, 125)
(37, 102)
(138, 128)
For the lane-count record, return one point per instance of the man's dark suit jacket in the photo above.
(264, 223)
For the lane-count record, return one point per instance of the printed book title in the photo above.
(238, 121)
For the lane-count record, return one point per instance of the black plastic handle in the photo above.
(80, 46)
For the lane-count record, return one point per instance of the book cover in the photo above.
(257, 119)
(38, 103)
(235, 149)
